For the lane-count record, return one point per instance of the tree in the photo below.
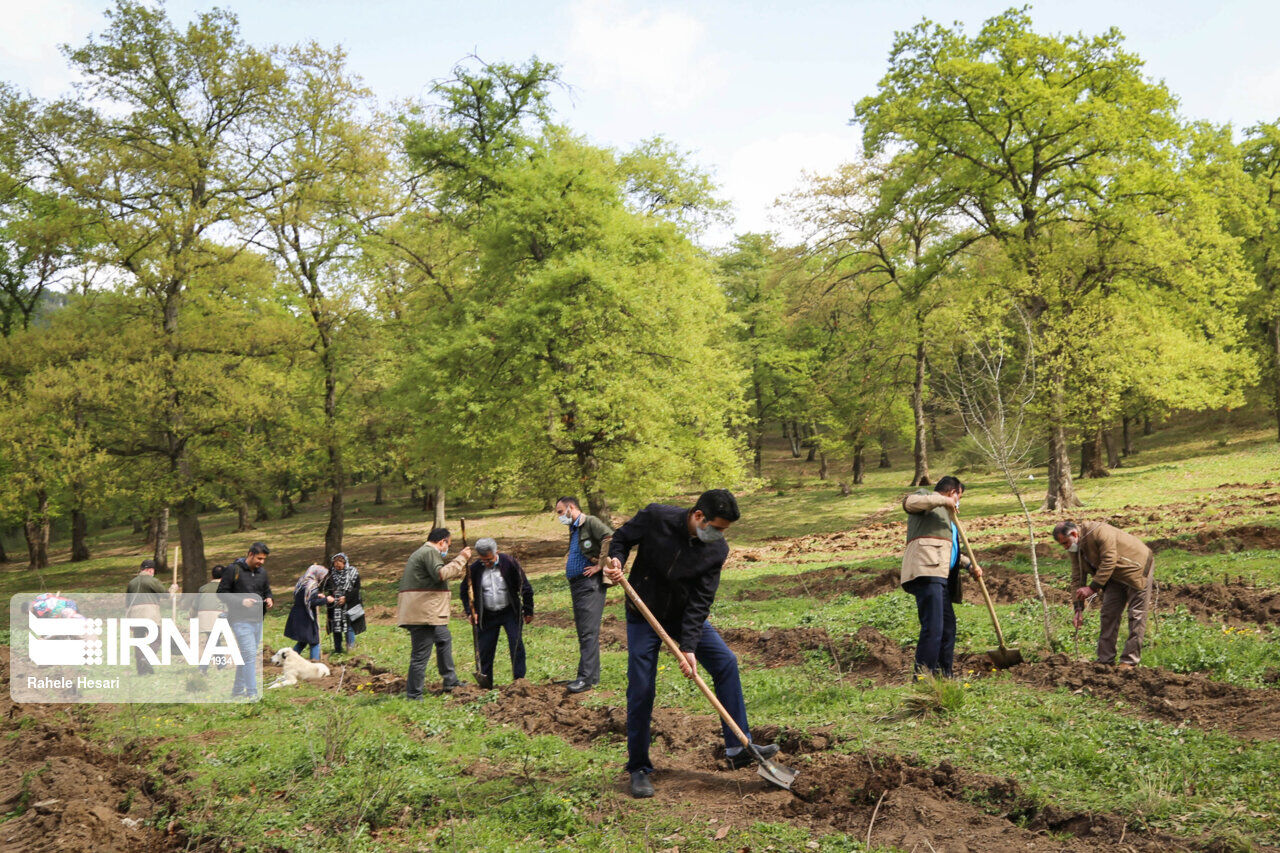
(885, 227)
(328, 190)
(165, 150)
(1262, 162)
(1043, 140)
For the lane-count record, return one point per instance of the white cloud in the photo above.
(658, 56)
(757, 173)
(30, 37)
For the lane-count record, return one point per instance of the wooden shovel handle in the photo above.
(991, 608)
(675, 650)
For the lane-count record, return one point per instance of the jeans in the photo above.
(337, 640)
(422, 638)
(588, 609)
(315, 648)
(935, 652)
(487, 640)
(249, 639)
(643, 646)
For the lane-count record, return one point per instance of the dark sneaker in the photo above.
(580, 686)
(746, 759)
(641, 787)
(448, 688)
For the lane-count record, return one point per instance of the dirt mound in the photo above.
(66, 794)
(1163, 695)
(1234, 601)
(1008, 587)
(1246, 537)
(775, 646)
(831, 582)
(1010, 550)
(542, 709)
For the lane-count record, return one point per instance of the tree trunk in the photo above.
(4, 557)
(920, 451)
(1091, 456)
(242, 516)
(758, 454)
(79, 536)
(1127, 450)
(884, 459)
(36, 528)
(933, 433)
(337, 467)
(824, 470)
(377, 492)
(414, 498)
(428, 499)
(813, 450)
(438, 502)
(859, 463)
(333, 533)
(1275, 367)
(1061, 493)
(287, 509)
(794, 437)
(137, 524)
(160, 547)
(191, 540)
(261, 513)
(1113, 455)
(304, 494)
(153, 528)
(1147, 429)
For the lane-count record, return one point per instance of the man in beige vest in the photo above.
(143, 602)
(423, 609)
(1123, 572)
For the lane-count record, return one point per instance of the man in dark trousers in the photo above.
(586, 586)
(422, 608)
(1107, 561)
(499, 597)
(676, 574)
(931, 572)
(247, 576)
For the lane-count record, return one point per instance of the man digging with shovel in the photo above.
(931, 572)
(672, 586)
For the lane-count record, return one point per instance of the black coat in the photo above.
(337, 615)
(512, 573)
(676, 575)
(302, 624)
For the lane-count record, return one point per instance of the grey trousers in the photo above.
(422, 639)
(588, 609)
(1116, 598)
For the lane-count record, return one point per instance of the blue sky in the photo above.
(757, 91)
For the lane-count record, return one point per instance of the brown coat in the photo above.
(429, 606)
(1108, 553)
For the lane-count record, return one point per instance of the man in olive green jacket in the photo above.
(931, 572)
(586, 586)
(422, 607)
(1123, 570)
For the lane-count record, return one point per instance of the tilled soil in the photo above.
(1232, 602)
(1159, 694)
(70, 795)
(914, 805)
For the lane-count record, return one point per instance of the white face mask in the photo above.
(709, 533)
(1074, 546)
(564, 519)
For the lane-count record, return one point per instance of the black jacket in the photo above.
(516, 580)
(239, 578)
(675, 574)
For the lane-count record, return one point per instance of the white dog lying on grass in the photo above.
(296, 668)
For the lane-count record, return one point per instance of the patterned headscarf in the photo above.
(312, 578)
(345, 578)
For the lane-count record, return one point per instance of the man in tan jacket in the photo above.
(423, 608)
(1123, 571)
(931, 572)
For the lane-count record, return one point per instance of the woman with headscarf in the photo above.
(303, 624)
(346, 613)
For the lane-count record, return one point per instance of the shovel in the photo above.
(773, 772)
(1003, 657)
(485, 682)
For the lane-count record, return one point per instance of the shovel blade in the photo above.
(485, 682)
(776, 774)
(1004, 658)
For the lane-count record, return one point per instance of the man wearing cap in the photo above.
(142, 602)
(208, 608)
(1123, 572)
(586, 587)
(498, 597)
(247, 576)
(422, 608)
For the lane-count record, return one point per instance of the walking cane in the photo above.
(482, 680)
